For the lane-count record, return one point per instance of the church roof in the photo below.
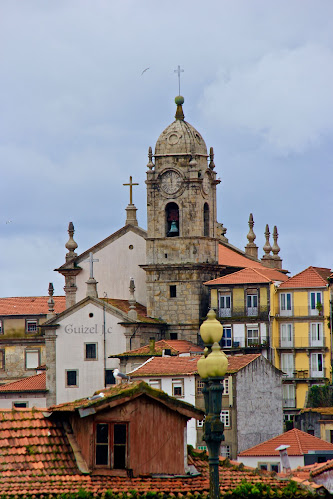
(34, 383)
(234, 258)
(250, 276)
(312, 277)
(180, 138)
(30, 305)
(300, 443)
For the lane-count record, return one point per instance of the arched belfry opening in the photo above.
(206, 219)
(172, 220)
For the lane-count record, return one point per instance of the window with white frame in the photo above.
(287, 364)
(155, 383)
(225, 418)
(31, 326)
(269, 466)
(178, 387)
(317, 365)
(316, 334)
(32, 358)
(316, 302)
(226, 386)
(200, 384)
(224, 305)
(285, 303)
(226, 337)
(286, 335)
(90, 351)
(252, 302)
(289, 395)
(201, 422)
(225, 451)
(252, 336)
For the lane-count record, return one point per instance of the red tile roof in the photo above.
(232, 258)
(186, 366)
(312, 277)
(124, 306)
(30, 384)
(125, 390)
(32, 445)
(176, 346)
(250, 276)
(300, 443)
(321, 410)
(30, 483)
(33, 305)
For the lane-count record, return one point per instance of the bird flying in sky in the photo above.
(144, 71)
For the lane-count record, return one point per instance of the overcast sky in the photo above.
(77, 117)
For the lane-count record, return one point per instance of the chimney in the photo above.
(284, 458)
(152, 345)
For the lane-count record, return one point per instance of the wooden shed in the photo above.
(128, 429)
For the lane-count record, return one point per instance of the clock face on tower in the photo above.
(171, 181)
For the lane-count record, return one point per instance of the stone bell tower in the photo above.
(182, 243)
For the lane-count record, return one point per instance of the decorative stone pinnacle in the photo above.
(71, 245)
(275, 247)
(132, 313)
(251, 235)
(179, 100)
(150, 163)
(267, 247)
(211, 158)
(50, 301)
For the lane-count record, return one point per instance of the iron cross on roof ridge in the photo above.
(178, 71)
(91, 261)
(130, 184)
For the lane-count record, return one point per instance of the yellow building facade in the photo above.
(301, 337)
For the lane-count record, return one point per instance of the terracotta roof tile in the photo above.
(232, 258)
(185, 366)
(299, 441)
(312, 277)
(321, 410)
(29, 384)
(124, 306)
(250, 276)
(176, 346)
(33, 305)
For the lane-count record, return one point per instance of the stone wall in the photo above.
(259, 403)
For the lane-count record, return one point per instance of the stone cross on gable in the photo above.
(91, 260)
(178, 71)
(130, 184)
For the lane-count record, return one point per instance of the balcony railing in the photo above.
(289, 402)
(302, 342)
(304, 373)
(241, 342)
(301, 312)
(261, 313)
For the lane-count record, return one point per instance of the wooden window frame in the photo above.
(31, 350)
(110, 444)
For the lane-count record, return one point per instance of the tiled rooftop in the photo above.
(124, 390)
(30, 384)
(300, 443)
(124, 306)
(186, 366)
(33, 305)
(312, 277)
(250, 276)
(232, 258)
(32, 445)
(44, 467)
(176, 346)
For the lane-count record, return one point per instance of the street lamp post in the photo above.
(212, 367)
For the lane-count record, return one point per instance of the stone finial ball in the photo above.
(179, 100)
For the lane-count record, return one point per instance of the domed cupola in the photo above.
(180, 138)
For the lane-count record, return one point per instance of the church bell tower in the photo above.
(182, 243)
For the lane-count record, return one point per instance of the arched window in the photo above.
(206, 219)
(172, 220)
